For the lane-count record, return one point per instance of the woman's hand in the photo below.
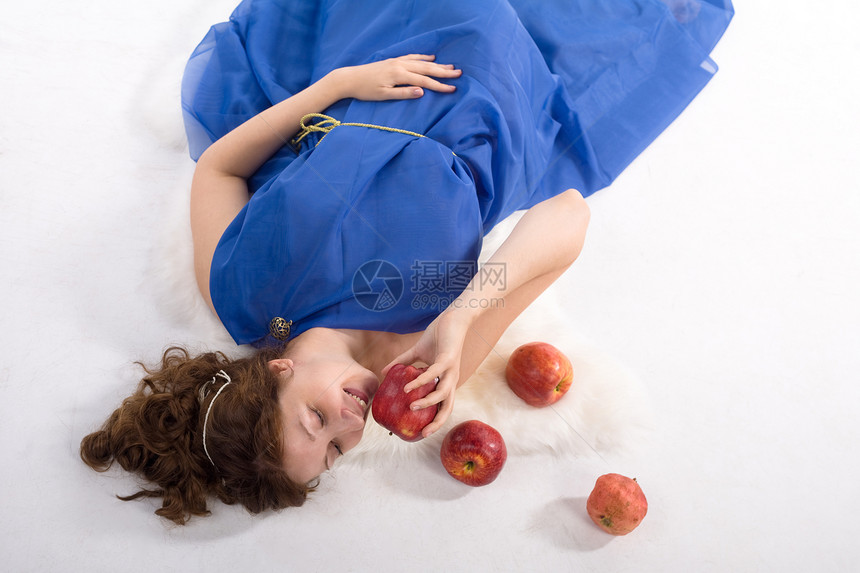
(395, 78)
(441, 347)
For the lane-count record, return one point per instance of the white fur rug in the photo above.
(605, 410)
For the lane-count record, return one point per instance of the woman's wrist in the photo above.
(337, 83)
(485, 291)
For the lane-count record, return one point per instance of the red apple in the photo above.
(617, 504)
(390, 404)
(474, 453)
(539, 373)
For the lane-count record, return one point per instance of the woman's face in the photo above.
(324, 402)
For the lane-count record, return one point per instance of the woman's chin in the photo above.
(371, 384)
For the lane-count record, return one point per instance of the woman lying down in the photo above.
(350, 160)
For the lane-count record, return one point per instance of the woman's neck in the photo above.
(372, 349)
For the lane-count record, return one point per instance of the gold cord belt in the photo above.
(327, 123)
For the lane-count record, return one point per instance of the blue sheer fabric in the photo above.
(378, 230)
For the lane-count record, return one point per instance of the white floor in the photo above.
(723, 268)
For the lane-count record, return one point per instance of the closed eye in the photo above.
(322, 420)
(320, 416)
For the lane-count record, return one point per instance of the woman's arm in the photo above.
(544, 243)
(219, 189)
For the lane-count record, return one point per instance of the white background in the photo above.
(722, 268)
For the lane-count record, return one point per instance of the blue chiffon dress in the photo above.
(379, 230)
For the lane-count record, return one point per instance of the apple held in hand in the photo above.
(390, 404)
(617, 504)
(539, 373)
(474, 453)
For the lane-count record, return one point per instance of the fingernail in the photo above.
(416, 91)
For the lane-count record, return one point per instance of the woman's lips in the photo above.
(360, 407)
(359, 394)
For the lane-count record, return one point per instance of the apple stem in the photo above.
(468, 466)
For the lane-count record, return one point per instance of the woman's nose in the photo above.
(352, 422)
(350, 430)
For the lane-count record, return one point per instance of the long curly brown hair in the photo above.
(157, 433)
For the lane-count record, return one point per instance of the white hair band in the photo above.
(224, 375)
